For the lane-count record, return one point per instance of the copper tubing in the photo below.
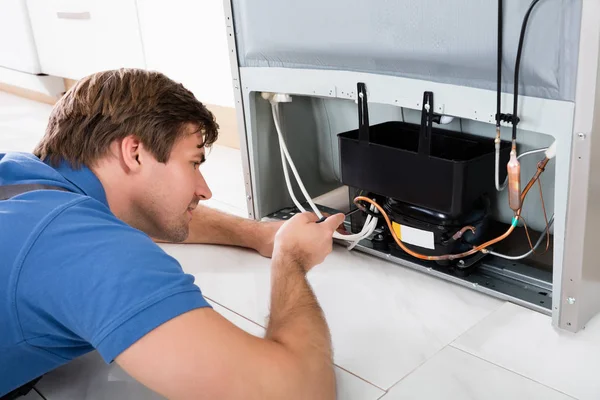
(514, 182)
(541, 166)
(460, 233)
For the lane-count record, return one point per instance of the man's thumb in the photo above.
(334, 221)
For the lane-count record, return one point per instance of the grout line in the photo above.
(494, 311)
(383, 395)
(416, 368)
(235, 312)
(448, 345)
(512, 372)
(257, 324)
(38, 392)
(361, 378)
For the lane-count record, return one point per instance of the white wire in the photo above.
(282, 146)
(527, 153)
(288, 182)
(497, 177)
(370, 223)
(497, 174)
(522, 256)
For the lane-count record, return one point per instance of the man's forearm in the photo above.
(212, 226)
(297, 322)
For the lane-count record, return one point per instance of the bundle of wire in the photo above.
(286, 160)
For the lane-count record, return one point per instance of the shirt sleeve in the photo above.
(103, 281)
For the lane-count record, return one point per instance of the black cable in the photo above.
(517, 65)
(499, 63)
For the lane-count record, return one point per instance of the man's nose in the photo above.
(202, 189)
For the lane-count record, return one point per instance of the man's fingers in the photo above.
(334, 221)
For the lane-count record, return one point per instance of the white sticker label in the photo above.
(414, 236)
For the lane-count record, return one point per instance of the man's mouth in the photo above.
(192, 207)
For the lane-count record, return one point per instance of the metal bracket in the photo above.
(363, 113)
(427, 116)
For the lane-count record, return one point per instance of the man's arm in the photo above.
(210, 226)
(200, 355)
(298, 324)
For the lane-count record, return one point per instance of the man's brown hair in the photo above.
(112, 105)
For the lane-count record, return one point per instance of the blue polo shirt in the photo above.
(73, 277)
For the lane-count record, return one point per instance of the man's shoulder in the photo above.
(55, 216)
(18, 166)
(86, 243)
(92, 225)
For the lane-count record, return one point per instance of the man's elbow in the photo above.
(309, 378)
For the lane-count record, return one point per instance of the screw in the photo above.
(249, 197)
(461, 262)
(380, 236)
(571, 300)
(360, 95)
(581, 135)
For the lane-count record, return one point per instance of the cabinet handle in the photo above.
(73, 15)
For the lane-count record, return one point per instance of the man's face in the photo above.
(172, 190)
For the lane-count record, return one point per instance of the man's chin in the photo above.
(172, 236)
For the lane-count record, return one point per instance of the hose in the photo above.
(517, 67)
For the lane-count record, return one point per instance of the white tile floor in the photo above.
(397, 334)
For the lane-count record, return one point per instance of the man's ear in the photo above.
(131, 149)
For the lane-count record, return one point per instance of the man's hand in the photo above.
(267, 230)
(305, 242)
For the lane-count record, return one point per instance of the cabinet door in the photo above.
(187, 41)
(17, 47)
(77, 37)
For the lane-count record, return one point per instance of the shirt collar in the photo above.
(84, 180)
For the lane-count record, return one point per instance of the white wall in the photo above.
(186, 40)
